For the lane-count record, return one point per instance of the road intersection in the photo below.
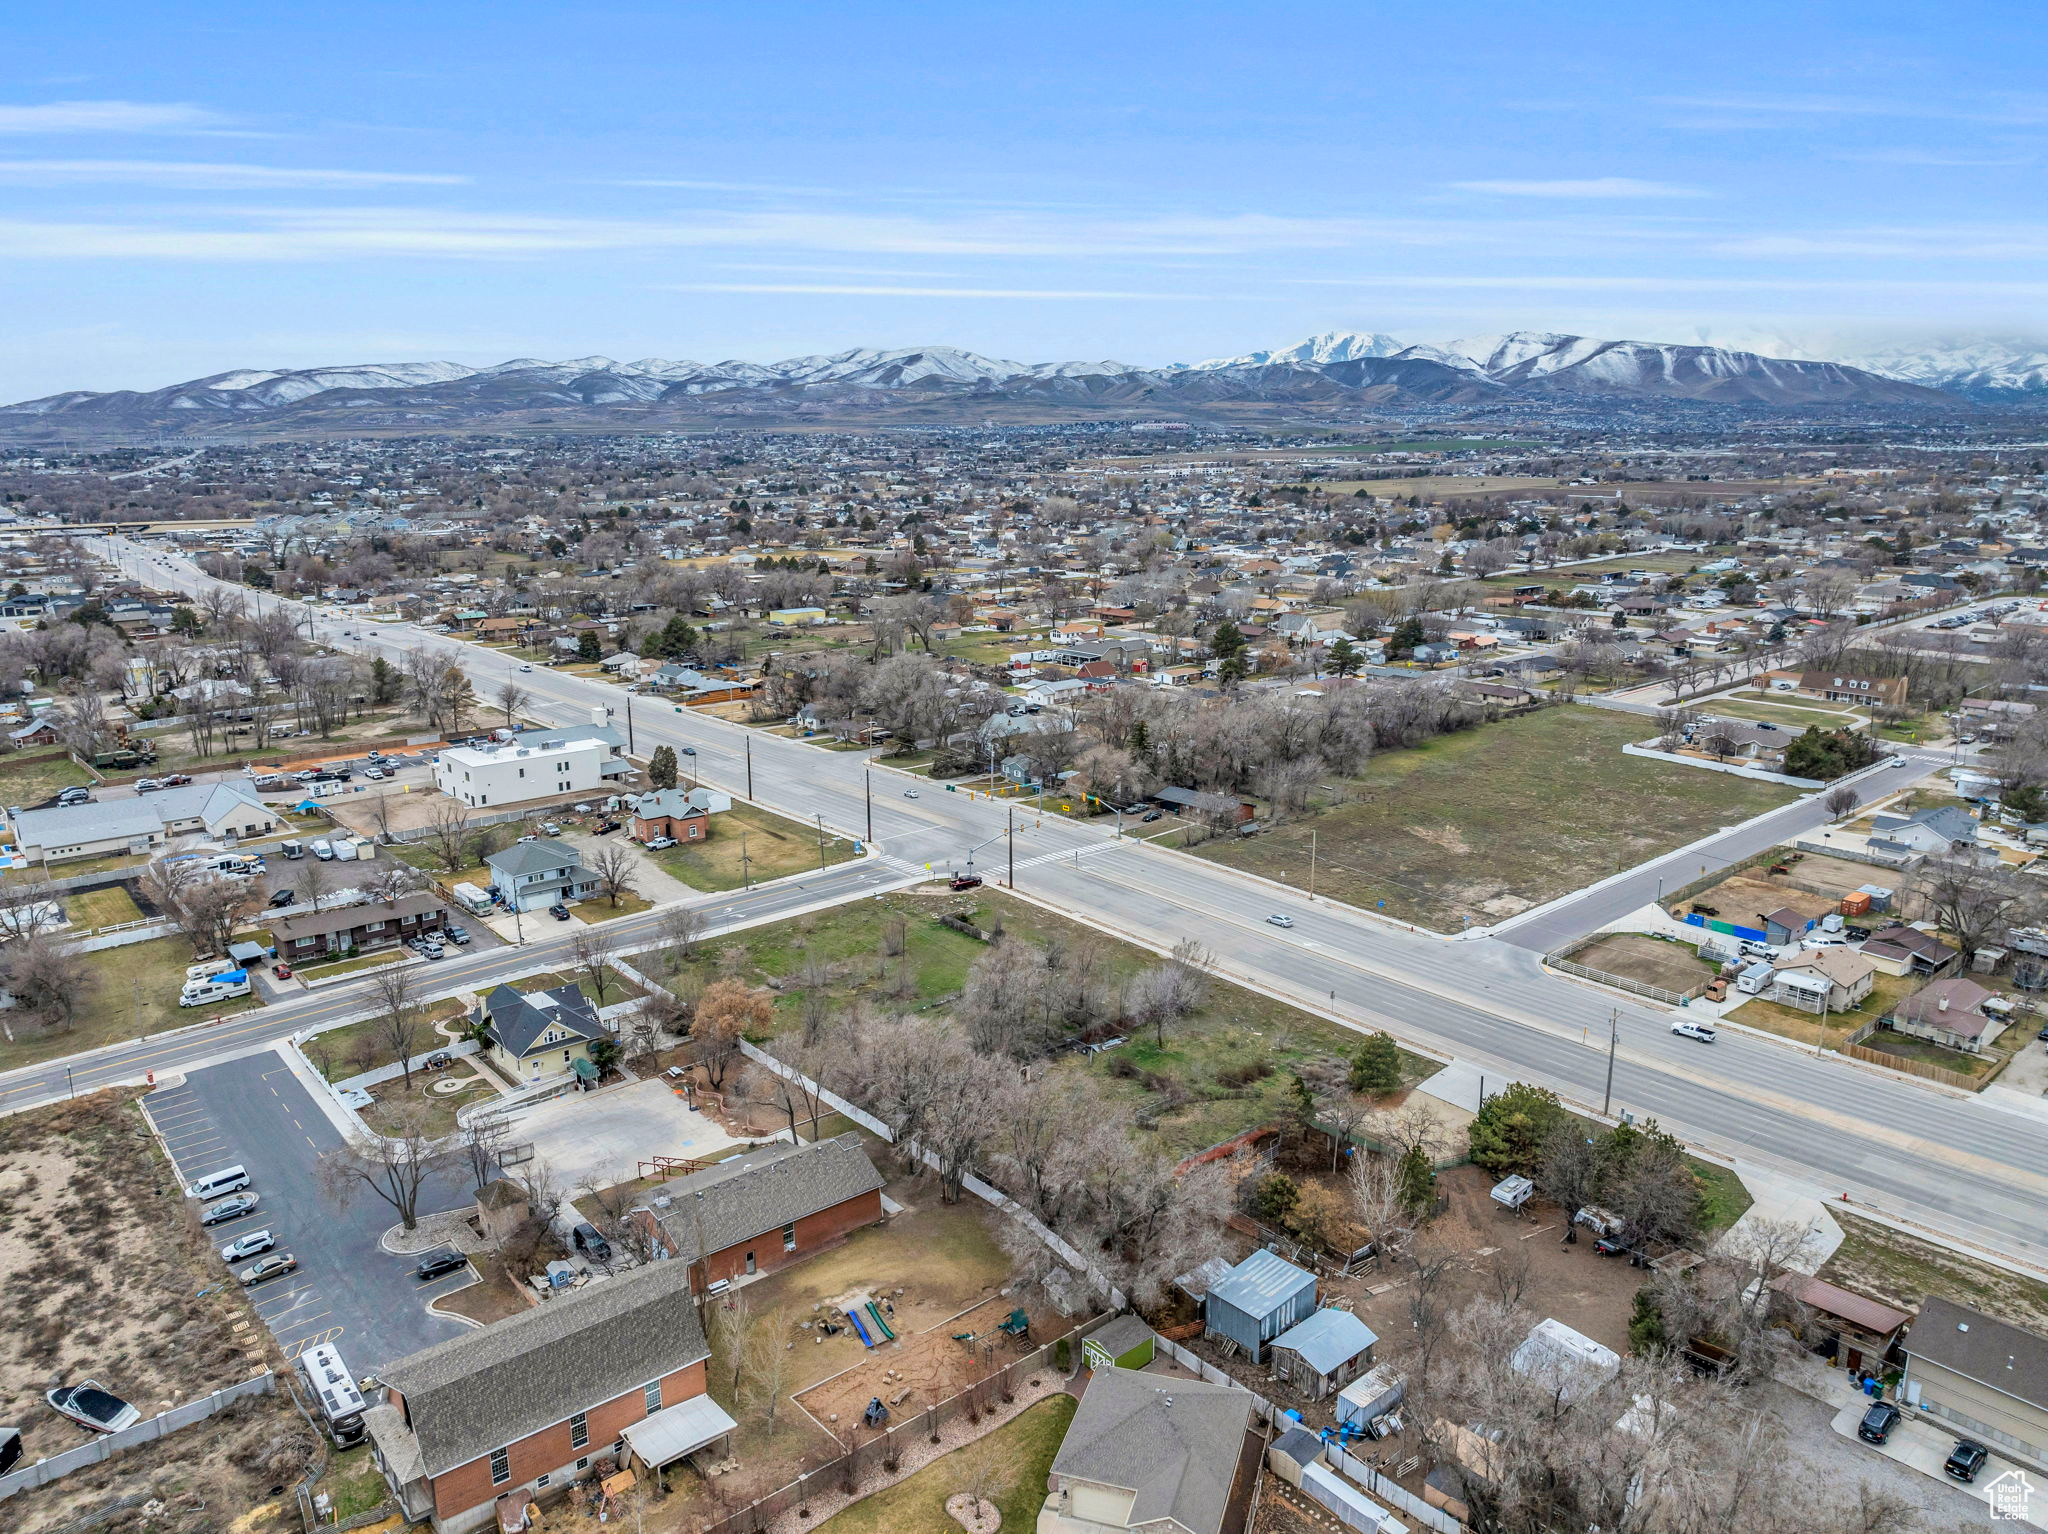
(1945, 1161)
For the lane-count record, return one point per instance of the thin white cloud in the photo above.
(1599, 187)
(109, 117)
(1933, 157)
(876, 291)
(2010, 109)
(1548, 282)
(206, 177)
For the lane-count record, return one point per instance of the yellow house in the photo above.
(538, 1034)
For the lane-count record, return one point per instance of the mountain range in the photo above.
(1337, 369)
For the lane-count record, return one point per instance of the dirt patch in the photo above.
(1446, 837)
(109, 1277)
(496, 1298)
(1636, 956)
(922, 1368)
(1745, 898)
(1901, 1270)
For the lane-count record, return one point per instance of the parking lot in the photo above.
(346, 1290)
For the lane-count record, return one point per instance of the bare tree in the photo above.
(395, 1167)
(446, 829)
(590, 953)
(681, 928)
(513, 700)
(615, 866)
(399, 1025)
(50, 981)
(1840, 801)
(1973, 903)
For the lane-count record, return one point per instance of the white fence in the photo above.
(1357, 1469)
(44, 1471)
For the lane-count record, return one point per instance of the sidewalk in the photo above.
(1789, 1201)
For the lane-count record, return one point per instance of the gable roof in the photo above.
(475, 1393)
(341, 918)
(1172, 1443)
(536, 857)
(763, 1190)
(519, 1019)
(1261, 1284)
(1982, 1348)
(1328, 1339)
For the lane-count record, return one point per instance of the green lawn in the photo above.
(1023, 1448)
(131, 991)
(1487, 822)
(340, 1053)
(1221, 1071)
(1723, 1198)
(101, 907)
(32, 776)
(770, 845)
(618, 989)
(352, 966)
(598, 908)
(1792, 717)
(355, 1483)
(1886, 991)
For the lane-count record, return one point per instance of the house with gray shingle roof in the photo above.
(1147, 1451)
(541, 1399)
(767, 1207)
(535, 1034)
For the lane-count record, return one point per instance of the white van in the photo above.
(344, 850)
(323, 851)
(203, 993)
(231, 1179)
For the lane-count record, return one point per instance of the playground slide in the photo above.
(888, 1333)
(858, 1330)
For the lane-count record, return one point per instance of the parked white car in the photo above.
(253, 1244)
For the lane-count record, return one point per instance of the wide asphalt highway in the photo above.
(1955, 1164)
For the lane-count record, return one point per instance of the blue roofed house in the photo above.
(1256, 1301)
(1324, 1353)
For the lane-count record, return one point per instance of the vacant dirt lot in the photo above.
(108, 1277)
(1482, 824)
(1637, 956)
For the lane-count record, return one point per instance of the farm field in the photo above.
(1479, 825)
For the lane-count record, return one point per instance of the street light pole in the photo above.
(867, 792)
(750, 766)
(1013, 846)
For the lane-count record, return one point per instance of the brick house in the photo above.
(302, 939)
(586, 1384)
(767, 1208)
(682, 813)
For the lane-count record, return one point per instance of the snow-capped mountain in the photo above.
(1989, 370)
(1362, 369)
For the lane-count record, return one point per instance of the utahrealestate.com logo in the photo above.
(2011, 1496)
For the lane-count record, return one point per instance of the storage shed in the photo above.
(1324, 1353)
(1256, 1301)
(1125, 1343)
(1373, 1394)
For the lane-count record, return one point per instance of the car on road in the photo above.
(1277, 920)
(1878, 1422)
(588, 1238)
(149, 785)
(254, 1244)
(92, 1405)
(660, 843)
(526, 668)
(438, 1264)
(910, 793)
(559, 911)
(175, 779)
(1687, 1029)
(1965, 1460)
(227, 1209)
(276, 1265)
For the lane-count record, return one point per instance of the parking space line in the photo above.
(280, 1294)
(277, 1323)
(293, 1350)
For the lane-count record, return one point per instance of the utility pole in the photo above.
(1013, 846)
(750, 766)
(1311, 865)
(1613, 1039)
(629, 724)
(867, 793)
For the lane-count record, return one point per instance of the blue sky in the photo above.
(193, 188)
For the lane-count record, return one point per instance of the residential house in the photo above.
(1221, 809)
(1256, 1301)
(593, 1381)
(1147, 1451)
(1949, 1011)
(533, 1035)
(766, 1208)
(1325, 1353)
(1839, 687)
(307, 936)
(1903, 950)
(1937, 831)
(533, 875)
(683, 814)
(1823, 980)
(1980, 1377)
(222, 812)
(1856, 1332)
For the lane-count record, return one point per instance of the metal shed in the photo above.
(1257, 1300)
(1324, 1353)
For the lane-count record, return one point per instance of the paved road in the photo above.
(245, 1032)
(1952, 1163)
(347, 1289)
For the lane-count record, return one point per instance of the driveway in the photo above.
(650, 880)
(597, 1139)
(347, 1290)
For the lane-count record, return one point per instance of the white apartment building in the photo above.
(491, 777)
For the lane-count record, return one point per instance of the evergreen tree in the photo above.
(1343, 658)
(384, 681)
(1511, 1127)
(661, 767)
(1140, 740)
(1418, 1182)
(1376, 1068)
(587, 647)
(1407, 636)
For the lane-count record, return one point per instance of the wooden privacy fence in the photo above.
(1854, 1048)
